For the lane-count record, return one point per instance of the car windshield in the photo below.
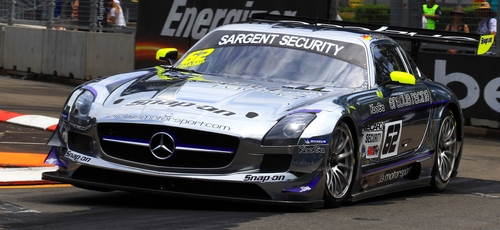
(278, 63)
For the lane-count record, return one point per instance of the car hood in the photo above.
(217, 97)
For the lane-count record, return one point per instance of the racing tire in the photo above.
(340, 167)
(446, 152)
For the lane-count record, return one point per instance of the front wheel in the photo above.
(446, 152)
(340, 166)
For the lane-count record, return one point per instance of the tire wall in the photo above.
(66, 53)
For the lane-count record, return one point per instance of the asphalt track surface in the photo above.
(470, 202)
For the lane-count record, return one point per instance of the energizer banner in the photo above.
(478, 89)
(180, 23)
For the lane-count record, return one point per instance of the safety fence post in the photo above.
(12, 12)
(93, 15)
(51, 5)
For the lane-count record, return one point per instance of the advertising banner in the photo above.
(180, 23)
(474, 79)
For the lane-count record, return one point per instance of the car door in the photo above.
(395, 115)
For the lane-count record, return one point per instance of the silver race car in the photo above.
(269, 111)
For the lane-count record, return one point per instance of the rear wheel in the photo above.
(446, 152)
(341, 166)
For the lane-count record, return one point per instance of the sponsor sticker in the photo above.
(409, 99)
(378, 126)
(168, 118)
(315, 141)
(376, 108)
(77, 157)
(299, 42)
(181, 104)
(263, 178)
(396, 174)
(308, 149)
(371, 144)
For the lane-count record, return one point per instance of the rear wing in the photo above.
(416, 36)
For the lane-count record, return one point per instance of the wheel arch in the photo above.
(349, 121)
(455, 109)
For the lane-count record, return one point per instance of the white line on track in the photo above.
(8, 207)
(22, 143)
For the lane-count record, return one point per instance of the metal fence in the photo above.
(408, 13)
(92, 14)
(83, 15)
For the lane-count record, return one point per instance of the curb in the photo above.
(25, 175)
(18, 169)
(35, 121)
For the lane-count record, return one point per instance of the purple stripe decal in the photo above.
(52, 158)
(305, 188)
(306, 111)
(92, 90)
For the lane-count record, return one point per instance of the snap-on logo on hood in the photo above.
(172, 104)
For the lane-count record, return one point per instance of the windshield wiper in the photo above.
(183, 70)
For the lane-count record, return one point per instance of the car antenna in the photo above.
(316, 17)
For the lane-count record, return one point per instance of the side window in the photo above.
(387, 59)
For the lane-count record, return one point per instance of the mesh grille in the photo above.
(140, 133)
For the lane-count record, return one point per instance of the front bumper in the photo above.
(103, 179)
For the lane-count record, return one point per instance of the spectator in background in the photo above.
(66, 9)
(457, 25)
(432, 12)
(487, 23)
(116, 17)
(74, 14)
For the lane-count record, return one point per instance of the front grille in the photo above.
(214, 188)
(203, 149)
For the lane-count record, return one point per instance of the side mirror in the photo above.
(167, 55)
(403, 78)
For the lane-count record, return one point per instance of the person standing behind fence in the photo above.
(432, 12)
(487, 23)
(117, 18)
(457, 25)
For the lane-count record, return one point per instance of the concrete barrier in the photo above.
(66, 53)
(109, 53)
(23, 49)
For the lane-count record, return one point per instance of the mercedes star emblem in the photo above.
(162, 145)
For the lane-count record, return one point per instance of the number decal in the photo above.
(392, 135)
(196, 58)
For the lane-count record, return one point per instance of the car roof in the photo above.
(304, 29)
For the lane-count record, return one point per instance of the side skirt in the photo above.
(392, 188)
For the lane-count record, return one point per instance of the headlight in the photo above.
(288, 130)
(83, 102)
